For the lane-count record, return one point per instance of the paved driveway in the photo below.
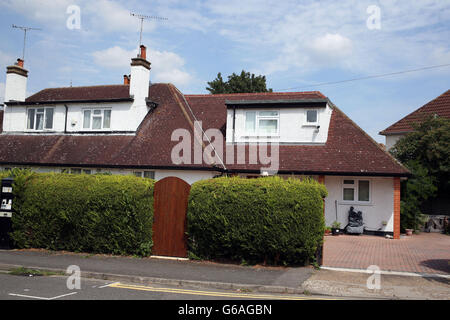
(423, 253)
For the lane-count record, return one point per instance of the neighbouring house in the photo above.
(439, 106)
(439, 206)
(155, 131)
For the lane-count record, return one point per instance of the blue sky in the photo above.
(296, 44)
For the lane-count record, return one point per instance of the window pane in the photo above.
(107, 119)
(87, 171)
(149, 174)
(349, 194)
(96, 122)
(250, 122)
(30, 123)
(311, 116)
(268, 126)
(40, 110)
(49, 118)
(363, 190)
(268, 113)
(97, 111)
(87, 119)
(138, 174)
(75, 171)
(349, 181)
(39, 121)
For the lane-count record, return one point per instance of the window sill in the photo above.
(356, 203)
(260, 136)
(312, 125)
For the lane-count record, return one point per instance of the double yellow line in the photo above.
(213, 293)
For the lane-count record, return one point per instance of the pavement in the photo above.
(424, 253)
(150, 273)
(161, 271)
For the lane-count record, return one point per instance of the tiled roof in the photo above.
(439, 106)
(348, 150)
(106, 92)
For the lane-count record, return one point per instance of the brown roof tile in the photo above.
(439, 106)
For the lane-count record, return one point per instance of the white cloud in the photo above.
(48, 12)
(114, 57)
(166, 66)
(332, 45)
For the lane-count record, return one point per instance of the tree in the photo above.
(426, 153)
(243, 83)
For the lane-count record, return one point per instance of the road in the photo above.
(13, 287)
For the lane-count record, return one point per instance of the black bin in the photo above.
(6, 212)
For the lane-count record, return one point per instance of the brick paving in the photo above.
(424, 253)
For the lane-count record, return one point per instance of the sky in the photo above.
(297, 45)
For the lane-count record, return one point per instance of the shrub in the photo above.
(83, 213)
(268, 220)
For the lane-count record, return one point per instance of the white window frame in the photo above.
(142, 174)
(259, 117)
(91, 119)
(355, 187)
(44, 119)
(311, 123)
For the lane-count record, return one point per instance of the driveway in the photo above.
(422, 253)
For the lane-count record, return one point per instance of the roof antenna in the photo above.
(142, 17)
(25, 29)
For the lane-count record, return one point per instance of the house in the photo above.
(156, 131)
(439, 106)
(438, 206)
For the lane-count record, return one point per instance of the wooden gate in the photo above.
(169, 221)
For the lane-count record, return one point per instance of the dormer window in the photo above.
(312, 117)
(40, 119)
(262, 123)
(96, 119)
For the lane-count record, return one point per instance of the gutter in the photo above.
(49, 102)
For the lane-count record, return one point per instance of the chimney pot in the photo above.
(126, 79)
(19, 63)
(143, 53)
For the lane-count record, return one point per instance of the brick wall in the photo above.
(397, 208)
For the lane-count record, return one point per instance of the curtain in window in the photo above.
(30, 123)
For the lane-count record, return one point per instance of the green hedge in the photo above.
(269, 220)
(83, 213)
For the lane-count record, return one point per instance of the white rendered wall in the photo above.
(292, 126)
(125, 116)
(380, 208)
(15, 87)
(391, 140)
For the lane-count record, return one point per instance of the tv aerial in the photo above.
(142, 18)
(25, 30)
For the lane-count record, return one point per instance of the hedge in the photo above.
(269, 220)
(83, 213)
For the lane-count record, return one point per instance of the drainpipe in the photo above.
(234, 123)
(65, 122)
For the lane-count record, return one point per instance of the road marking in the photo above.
(41, 298)
(108, 285)
(213, 293)
(393, 273)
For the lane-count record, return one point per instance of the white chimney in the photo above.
(16, 82)
(140, 76)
